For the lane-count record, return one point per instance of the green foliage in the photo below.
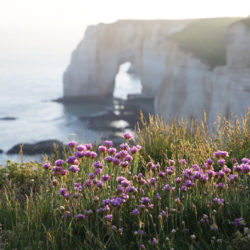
(193, 141)
(204, 39)
(31, 209)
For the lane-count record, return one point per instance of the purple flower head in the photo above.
(54, 182)
(119, 179)
(99, 184)
(219, 201)
(204, 219)
(213, 227)
(135, 211)
(125, 183)
(150, 164)
(66, 195)
(145, 200)
(116, 161)
(127, 136)
(99, 210)
(166, 187)
(81, 216)
(131, 190)
(239, 222)
(46, 166)
(97, 164)
(178, 180)
(204, 178)
(138, 147)
(154, 241)
(226, 170)
(158, 197)
(59, 162)
(152, 181)
(71, 160)
(210, 173)
(182, 161)
(108, 159)
(141, 181)
(74, 168)
(187, 173)
(196, 174)
(108, 217)
(221, 154)
(220, 185)
(164, 214)
(128, 158)
(170, 171)
(244, 161)
(91, 175)
(88, 146)
(221, 162)
(72, 144)
(234, 160)
(221, 173)
(245, 168)
(196, 167)
(106, 202)
(102, 149)
(188, 183)
(88, 183)
(108, 144)
(62, 191)
(238, 168)
(77, 186)
(124, 146)
(123, 153)
(111, 151)
(98, 171)
(183, 188)
(124, 164)
(133, 150)
(80, 148)
(141, 207)
(79, 154)
(161, 174)
(209, 161)
(93, 155)
(105, 177)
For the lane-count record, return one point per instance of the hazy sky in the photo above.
(59, 24)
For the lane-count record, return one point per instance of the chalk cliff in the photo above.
(189, 88)
(182, 84)
(96, 60)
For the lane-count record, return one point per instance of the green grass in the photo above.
(204, 39)
(31, 209)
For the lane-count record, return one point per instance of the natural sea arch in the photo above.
(126, 82)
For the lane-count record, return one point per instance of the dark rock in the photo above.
(1, 151)
(42, 147)
(7, 118)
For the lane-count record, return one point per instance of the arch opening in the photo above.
(127, 82)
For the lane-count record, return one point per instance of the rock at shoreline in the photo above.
(1, 151)
(42, 147)
(7, 118)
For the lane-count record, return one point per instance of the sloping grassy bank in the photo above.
(169, 187)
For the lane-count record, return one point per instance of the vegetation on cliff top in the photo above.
(169, 187)
(204, 39)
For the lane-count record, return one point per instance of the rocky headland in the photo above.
(187, 66)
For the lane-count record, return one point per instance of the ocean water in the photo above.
(27, 87)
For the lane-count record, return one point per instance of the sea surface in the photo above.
(28, 86)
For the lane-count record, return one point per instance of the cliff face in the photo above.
(189, 88)
(96, 60)
(183, 85)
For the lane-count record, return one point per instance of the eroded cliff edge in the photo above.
(183, 79)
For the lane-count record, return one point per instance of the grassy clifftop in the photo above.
(204, 39)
